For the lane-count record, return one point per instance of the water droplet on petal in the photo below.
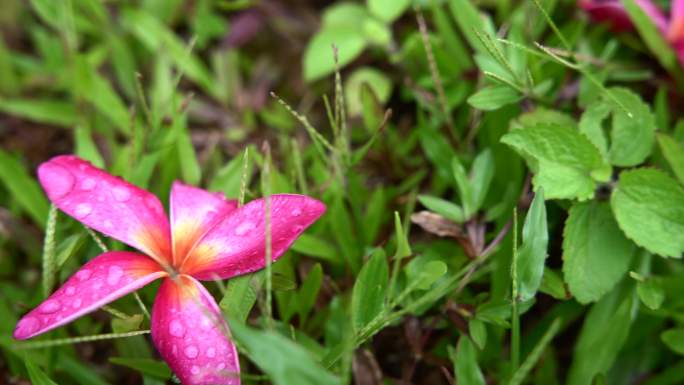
(296, 212)
(195, 369)
(243, 228)
(211, 352)
(70, 290)
(57, 179)
(121, 194)
(77, 303)
(174, 350)
(88, 184)
(176, 328)
(83, 210)
(221, 366)
(114, 275)
(297, 229)
(83, 275)
(50, 306)
(191, 351)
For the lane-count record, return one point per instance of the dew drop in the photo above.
(121, 194)
(83, 210)
(70, 290)
(57, 179)
(176, 329)
(83, 275)
(77, 303)
(114, 275)
(191, 351)
(243, 228)
(195, 369)
(88, 184)
(50, 306)
(211, 352)
(174, 350)
(221, 366)
(297, 229)
(296, 212)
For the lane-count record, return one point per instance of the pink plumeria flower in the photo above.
(206, 238)
(613, 12)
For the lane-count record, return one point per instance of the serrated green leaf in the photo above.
(674, 153)
(631, 138)
(494, 97)
(565, 162)
(532, 253)
(591, 125)
(649, 207)
(596, 254)
(368, 296)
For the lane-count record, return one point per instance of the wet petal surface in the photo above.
(99, 282)
(191, 335)
(237, 245)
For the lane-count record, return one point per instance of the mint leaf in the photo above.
(632, 137)
(596, 253)
(674, 153)
(649, 207)
(565, 162)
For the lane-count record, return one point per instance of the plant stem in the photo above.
(515, 316)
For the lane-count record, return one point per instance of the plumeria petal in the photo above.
(675, 32)
(191, 335)
(193, 213)
(102, 280)
(107, 204)
(611, 12)
(237, 245)
(614, 13)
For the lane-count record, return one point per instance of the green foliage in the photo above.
(596, 254)
(368, 296)
(425, 127)
(282, 359)
(566, 164)
(532, 253)
(649, 207)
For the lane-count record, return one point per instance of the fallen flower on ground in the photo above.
(206, 238)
